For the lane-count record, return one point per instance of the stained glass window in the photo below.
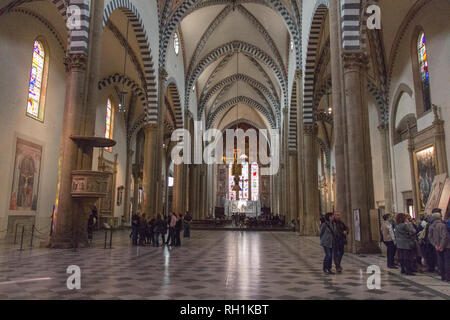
(176, 43)
(243, 182)
(424, 72)
(109, 123)
(231, 193)
(36, 81)
(255, 181)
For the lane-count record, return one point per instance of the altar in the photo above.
(250, 208)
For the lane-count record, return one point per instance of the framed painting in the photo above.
(25, 184)
(425, 169)
(435, 193)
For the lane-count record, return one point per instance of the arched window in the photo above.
(109, 123)
(423, 69)
(37, 83)
(176, 43)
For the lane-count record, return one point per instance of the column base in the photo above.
(66, 243)
(366, 247)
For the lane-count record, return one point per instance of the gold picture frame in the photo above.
(425, 169)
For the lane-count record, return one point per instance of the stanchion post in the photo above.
(106, 236)
(15, 234)
(21, 239)
(32, 234)
(110, 238)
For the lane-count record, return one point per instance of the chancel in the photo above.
(212, 149)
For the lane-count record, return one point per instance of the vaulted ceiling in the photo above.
(237, 54)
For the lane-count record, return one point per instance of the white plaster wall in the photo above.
(434, 20)
(175, 69)
(375, 147)
(119, 136)
(17, 33)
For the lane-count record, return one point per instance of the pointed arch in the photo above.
(317, 22)
(241, 99)
(175, 96)
(233, 46)
(130, 11)
(239, 77)
(292, 137)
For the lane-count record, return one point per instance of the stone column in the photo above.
(311, 180)
(135, 189)
(177, 199)
(202, 192)
(285, 208)
(293, 183)
(361, 185)
(186, 190)
(300, 151)
(75, 83)
(339, 121)
(193, 194)
(386, 160)
(149, 171)
(95, 52)
(126, 203)
(162, 78)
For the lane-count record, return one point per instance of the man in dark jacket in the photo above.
(135, 228)
(440, 239)
(326, 241)
(340, 240)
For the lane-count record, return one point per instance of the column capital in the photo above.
(355, 60)
(75, 62)
(310, 129)
(150, 127)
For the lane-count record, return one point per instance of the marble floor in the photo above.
(222, 265)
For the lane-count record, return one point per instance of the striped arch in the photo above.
(61, 41)
(172, 91)
(137, 125)
(381, 103)
(233, 47)
(121, 79)
(351, 24)
(241, 99)
(311, 55)
(78, 39)
(292, 136)
(239, 77)
(326, 150)
(130, 11)
(182, 10)
(61, 6)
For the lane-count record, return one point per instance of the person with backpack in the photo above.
(340, 240)
(326, 241)
(135, 221)
(405, 235)
(440, 238)
(178, 227)
(429, 252)
(388, 238)
(187, 225)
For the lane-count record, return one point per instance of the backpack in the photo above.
(447, 223)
